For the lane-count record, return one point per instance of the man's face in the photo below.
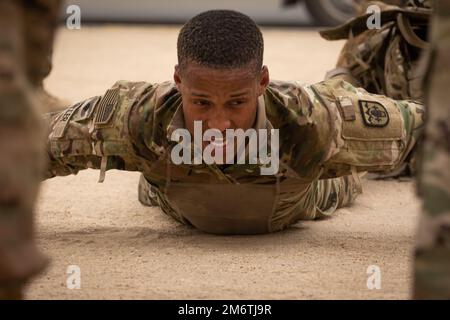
(220, 98)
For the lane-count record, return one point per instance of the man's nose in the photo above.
(220, 122)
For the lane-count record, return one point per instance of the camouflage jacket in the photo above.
(384, 60)
(326, 130)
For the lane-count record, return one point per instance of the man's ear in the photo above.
(264, 80)
(177, 76)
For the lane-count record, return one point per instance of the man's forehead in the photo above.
(204, 82)
(232, 94)
(196, 72)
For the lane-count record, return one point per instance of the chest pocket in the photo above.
(370, 127)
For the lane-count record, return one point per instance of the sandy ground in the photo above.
(127, 251)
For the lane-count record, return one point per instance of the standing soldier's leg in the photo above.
(41, 18)
(432, 260)
(21, 165)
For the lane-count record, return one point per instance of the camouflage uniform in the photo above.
(432, 260)
(329, 132)
(26, 34)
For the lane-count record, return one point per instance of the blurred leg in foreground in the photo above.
(432, 259)
(24, 44)
(39, 21)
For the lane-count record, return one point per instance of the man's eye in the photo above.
(201, 103)
(236, 103)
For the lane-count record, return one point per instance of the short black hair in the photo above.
(221, 39)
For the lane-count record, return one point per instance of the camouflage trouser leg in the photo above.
(146, 194)
(21, 158)
(326, 196)
(333, 194)
(149, 196)
(320, 200)
(432, 260)
(432, 255)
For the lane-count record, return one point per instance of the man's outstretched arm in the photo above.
(349, 130)
(94, 133)
(368, 132)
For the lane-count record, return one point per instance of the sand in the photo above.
(127, 251)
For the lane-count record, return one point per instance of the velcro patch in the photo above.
(107, 107)
(347, 109)
(373, 113)
(87, 109)
(63, 121)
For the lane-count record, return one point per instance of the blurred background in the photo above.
(264, 12)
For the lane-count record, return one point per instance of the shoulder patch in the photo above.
(107, 107)
(373, 113)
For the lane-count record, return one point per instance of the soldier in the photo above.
(26, 36)
(432, 259)
(328, 132)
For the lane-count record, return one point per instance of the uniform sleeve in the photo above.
(94, 133)
(366, 132)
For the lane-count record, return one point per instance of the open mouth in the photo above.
(219, 142)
